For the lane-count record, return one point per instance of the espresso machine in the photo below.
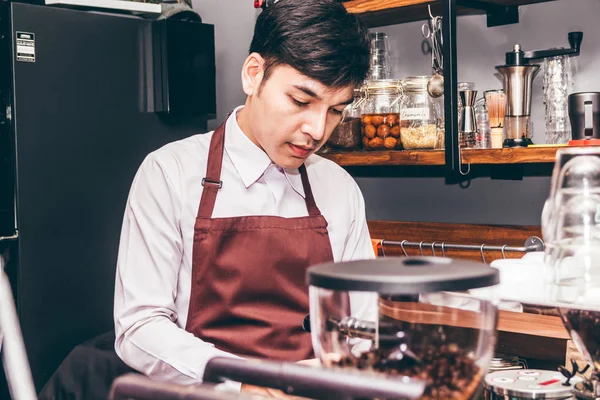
(518, 76)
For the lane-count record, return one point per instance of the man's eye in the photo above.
(299, 103)
(336, 111)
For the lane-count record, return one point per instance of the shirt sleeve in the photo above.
(363, 305)
(358, 241)
(148, 337)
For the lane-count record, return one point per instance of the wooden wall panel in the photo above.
(452, 233)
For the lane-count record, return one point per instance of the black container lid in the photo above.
(402, 275)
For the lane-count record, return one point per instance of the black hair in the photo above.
(318, 38)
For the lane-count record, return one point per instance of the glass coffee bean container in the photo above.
(347, 135)
(406, 316)
(380, 115)
(419, 121)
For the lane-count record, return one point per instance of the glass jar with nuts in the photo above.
(419, 128)
(380, 115)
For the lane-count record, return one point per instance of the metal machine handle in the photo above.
(315, 383)
(575, 39)
(14, 356)
(138, 387)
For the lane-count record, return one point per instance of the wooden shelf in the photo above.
(437, 157)
(390, 12)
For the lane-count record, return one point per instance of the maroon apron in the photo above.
(248, 293)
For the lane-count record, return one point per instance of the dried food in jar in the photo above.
(370, 131)
(346, 135)
(376, 143)
(365, 142)
(381, 126)
(383, 131)
(390, 142)
(377, 120)
(419, 137)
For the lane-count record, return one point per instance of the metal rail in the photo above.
(532, 243)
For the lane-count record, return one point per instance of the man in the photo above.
(220, 228)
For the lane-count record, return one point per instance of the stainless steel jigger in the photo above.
(468, 124)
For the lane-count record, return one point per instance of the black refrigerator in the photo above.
(85, 95)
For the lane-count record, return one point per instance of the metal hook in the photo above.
(402, 247)
(426, 30)
(460, 165)
(421, 248)
(433, 248)
(503, 255)
(443, 250)
(468, 170)
(429, 9)
(382, 250)
(482, 255)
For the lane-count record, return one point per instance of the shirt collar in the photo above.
(249, 160)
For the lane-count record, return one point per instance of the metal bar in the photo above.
(14, 356)
(450, 88)
(314, 383)
(12, 237)
(446, 246)
(138, 387)
(485, 6)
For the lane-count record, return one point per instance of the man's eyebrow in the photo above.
(308, 91)
(317, 97)
(346, 102)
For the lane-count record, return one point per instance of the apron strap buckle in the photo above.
(219, 183)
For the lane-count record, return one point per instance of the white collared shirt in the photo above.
(153, 279)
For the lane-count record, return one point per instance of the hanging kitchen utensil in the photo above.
(432, 30)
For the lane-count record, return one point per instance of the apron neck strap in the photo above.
(311, 206)
(212, 182)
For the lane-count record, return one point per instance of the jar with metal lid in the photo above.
(419, 124)
(528, 384)
(347, 135)
(380, 115)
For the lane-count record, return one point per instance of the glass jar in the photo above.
(380, 115)
(347, 135)
(419, 124)
(406, 317)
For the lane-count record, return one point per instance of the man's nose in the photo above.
(315, 125)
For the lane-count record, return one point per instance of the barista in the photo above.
(219, 228)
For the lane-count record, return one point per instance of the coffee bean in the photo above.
(447, 370)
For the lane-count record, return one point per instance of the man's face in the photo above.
(290, 116)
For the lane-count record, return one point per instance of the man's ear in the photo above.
(252, 73)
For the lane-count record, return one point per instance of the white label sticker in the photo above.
(503, 380)
(25, 46)
(527, 378)
(409, 114)
(529, 373)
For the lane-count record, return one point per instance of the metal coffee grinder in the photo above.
(583, 324)
(518, 76)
